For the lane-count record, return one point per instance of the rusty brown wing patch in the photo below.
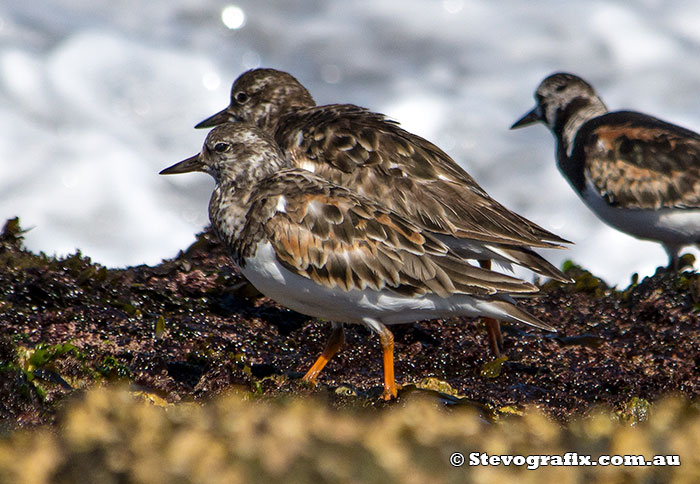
(339, 239)
(647, 165)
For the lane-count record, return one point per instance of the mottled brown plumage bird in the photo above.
(638, 173)
(326, 251)
(373, 156)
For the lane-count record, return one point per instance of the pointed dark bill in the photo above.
(185, 166)
(530, 118)
(219, 118)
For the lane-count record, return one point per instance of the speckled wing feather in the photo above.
(637, 161)
(336, 238)
(355, 147)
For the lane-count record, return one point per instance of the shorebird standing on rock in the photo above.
(374, 157)
(328, 252)
(638, 173)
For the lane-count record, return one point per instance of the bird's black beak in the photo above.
(530, 118)
(189, 165)
(221, 117)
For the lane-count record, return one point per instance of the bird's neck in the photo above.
(227, 210)
(569, 121)
(276, 120)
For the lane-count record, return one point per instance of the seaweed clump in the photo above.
(191, 328)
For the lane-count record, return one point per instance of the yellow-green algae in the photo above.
(111, 435)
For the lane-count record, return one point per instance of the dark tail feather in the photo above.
(531, 260)
(515, 314)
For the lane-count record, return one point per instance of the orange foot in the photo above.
(335, 342)
(391, 392)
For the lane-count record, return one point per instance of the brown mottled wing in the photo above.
(339, 239)
(362, 150)
(637, 161)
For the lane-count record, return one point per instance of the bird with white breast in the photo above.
(325, 251)
(374, 157)
(639, 174)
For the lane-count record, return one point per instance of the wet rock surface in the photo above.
(192, 327)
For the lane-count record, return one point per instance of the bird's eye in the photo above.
(241, 97)
(221, 147)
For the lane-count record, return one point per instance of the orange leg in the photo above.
(334, 343)
(386, 338)
(493, 327)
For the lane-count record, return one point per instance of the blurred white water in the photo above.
(96, 97)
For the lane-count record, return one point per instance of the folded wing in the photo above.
(339, 239)
(636, 161)
(355, 147)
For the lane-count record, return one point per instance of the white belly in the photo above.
(354, 306)
(674, 227)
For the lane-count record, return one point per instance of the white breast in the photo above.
(307, 297)
(670, 226)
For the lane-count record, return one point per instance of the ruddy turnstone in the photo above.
(638, 173)
(373, 156)
(326, 251)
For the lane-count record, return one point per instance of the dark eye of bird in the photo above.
(221, 147)
(241, 97)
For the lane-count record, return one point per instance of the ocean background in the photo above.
(97, 96)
